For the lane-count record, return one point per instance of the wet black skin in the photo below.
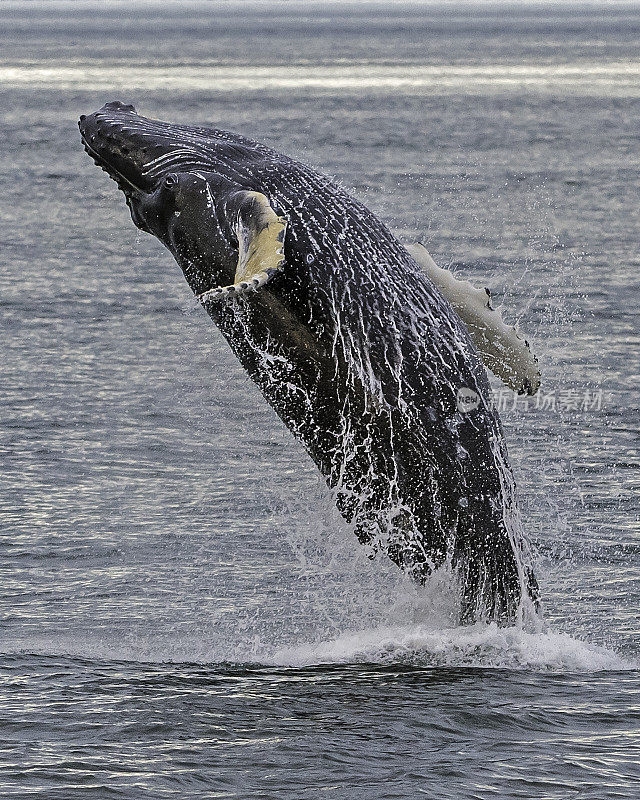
(409, 435)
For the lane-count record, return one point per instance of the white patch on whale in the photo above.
(503, 349)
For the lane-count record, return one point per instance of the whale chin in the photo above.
(136, 217)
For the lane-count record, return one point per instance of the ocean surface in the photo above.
(183, 614)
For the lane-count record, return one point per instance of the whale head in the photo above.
(189, 187)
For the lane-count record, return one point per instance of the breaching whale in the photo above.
(364, 347)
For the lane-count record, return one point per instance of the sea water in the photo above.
(184, 613)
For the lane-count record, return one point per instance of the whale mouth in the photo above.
(131, 191)
(124, 184)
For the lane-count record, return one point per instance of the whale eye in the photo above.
(171, 180)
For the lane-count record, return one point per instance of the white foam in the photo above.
(477, 646)
(480, 645)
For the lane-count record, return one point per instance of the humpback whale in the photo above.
(370, 354)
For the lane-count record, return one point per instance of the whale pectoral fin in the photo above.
(502, 348)
(260, 232)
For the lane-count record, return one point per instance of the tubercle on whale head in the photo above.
(117, 144)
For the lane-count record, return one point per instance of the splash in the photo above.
(480, 645)
(379, 420)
